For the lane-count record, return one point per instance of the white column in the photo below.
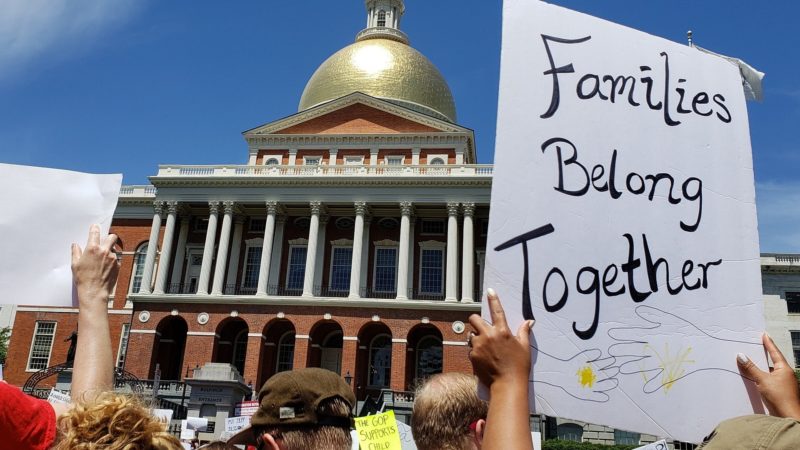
(410, 271)
(208, 249)
(222, 250)
(152, 249)
(358, 246)
(373, 157)
(277, 253)
(332, 156)
(266, 249)
(322, 245)
(180, 251)
(451, 279)
(292, 156)
(166, 248)
(468, 254)
(415, 156)
(402, 258)
(365, 253)
(236, 248)
(311, 249)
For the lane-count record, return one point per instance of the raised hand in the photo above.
(667, 348)
(95, 268)
(778, 387)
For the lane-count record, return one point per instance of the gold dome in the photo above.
(386, 69)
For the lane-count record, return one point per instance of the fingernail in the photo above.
(530, 324)
(491, 292)
(742, 358)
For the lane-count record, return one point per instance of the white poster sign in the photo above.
(58, 397)
(165, 415)
(197, 423)
(623, 220)
(234, 424)
(187, 433)
(44, 212)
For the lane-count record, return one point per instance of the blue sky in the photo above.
(123, 86)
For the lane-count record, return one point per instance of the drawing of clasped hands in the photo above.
(585, 376)
(664, 348)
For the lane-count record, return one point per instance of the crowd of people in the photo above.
(312, 408)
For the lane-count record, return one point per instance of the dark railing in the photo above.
(326, 291)
(181, 288)
(178, 411)
(235, 289)
(275, 289)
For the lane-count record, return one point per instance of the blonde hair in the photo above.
(444, 408)
(113, 422)
(327, 437)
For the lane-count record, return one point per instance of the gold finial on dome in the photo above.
(382, 64)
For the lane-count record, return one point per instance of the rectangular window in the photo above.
(340, 268)
(435, 227)
(484, 227)
(257, 225)
(297, 268)
(252, 265)
(138, 271)
(385, 269)
(793, 302)
(796, 347)
(123, 345)
(431, 271)
(394, 160)
(312, 160)
(353, 160)
(42, 345)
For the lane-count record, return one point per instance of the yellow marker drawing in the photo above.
(672, 366)
(586, 376)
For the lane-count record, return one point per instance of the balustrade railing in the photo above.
(482, 170)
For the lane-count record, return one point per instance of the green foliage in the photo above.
(797, 375)
(4, 334)
(555, 444)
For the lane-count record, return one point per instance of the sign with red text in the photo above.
(623, 220)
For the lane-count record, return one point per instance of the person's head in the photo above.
(113, 422)
(448, 415)
(301, 409)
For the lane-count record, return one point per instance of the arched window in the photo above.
(285, 360)
(437, 161)
(272, 162)
(138, 268)
(240, 350)
(381, 18)
(380, 361)
(570, 432)
(429, 357)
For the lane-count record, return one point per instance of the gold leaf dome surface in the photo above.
(385, 69)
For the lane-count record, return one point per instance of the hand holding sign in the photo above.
(668, 348)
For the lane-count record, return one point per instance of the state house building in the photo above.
(352, 239)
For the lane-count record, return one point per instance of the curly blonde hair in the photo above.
(113, 422)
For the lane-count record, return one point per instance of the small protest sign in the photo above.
(378, 432)
(35, 267)
(165, 415)
(186, 431)
(197, 423)
(234, 424)
(246, 408)
(58, 397)
(623, 220)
